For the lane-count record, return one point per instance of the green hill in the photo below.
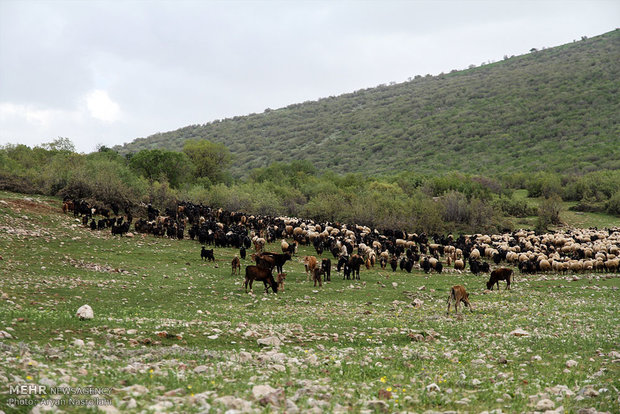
(555, 109)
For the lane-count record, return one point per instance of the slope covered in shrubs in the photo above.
(554, 109)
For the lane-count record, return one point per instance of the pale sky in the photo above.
(107, 72)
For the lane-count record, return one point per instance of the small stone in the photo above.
(78, 342)
(269, 341)
(520, 332)
(545, 404)
(571, 363)
(433, 387)
(200, 369)
(475, 382)
(85, 312)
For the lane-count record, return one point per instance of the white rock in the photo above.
(269, 341)
(131, 404)
(259, 391)
(418, 303)
(200, 368)
(433, 387)
(544, 405)
(108, 409)
(478, 362)
(5, 334)
(476, 381)
(244, 356)
(571, 363)
(78, 342)
(520, 332)
(85, 312)
(131, 332)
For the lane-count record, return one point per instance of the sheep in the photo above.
(503, 273)
(459, 264)
(458, 294)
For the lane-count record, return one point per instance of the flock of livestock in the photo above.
(354, 247)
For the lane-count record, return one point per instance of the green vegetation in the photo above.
(551, 110)
(173, 332)
(450, 202)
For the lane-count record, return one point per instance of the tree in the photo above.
(157, 164)
(210, 159)
(59, 144)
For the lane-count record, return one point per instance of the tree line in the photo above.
(446, 202)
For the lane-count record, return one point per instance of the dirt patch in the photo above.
(29, 205)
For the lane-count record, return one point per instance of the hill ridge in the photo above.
(553, 109)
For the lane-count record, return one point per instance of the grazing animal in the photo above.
(278, 259)
(311, 263)
(242, 252)
(280, 278)
(354, 263)
(458, 294)
(316, 276)
(394, 263)
(326, 270)
(260, 274)
(236, 266)
(207, 255)
(503, 273)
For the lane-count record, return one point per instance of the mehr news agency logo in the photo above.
(35, 394)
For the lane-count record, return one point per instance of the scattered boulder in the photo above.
(270, 341)
(85, 312)
(520, 332)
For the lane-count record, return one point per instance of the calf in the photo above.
(278, 259)
(503, 273)
(260, 274)
(326, 270)
(207, 255)
(354, 263)
(316, 276)
(311, 263)
(236, 266)
(280, 281)
(458, 294)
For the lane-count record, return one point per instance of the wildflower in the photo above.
(151, 370)
(189, 387)
(28, 377)
(388, 389)
(383, 379)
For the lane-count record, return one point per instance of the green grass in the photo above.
(343, 344)
(569, 218)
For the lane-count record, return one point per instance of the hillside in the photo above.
(555, 109)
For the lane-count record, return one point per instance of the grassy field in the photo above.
(569, 218)
(172, 333)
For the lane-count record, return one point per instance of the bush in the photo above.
(549, 213)
(613, 205)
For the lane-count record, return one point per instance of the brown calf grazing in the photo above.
(316, 276)
(236, 266)
(280, 278)
(458, 294)
(260, 274)
(311, 263)
(503, 273)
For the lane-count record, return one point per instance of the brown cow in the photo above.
(311, 263)
(280, 281)
(458, 294)
(503, 273)
(253, 273)
(236, 266)
(316, 276)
